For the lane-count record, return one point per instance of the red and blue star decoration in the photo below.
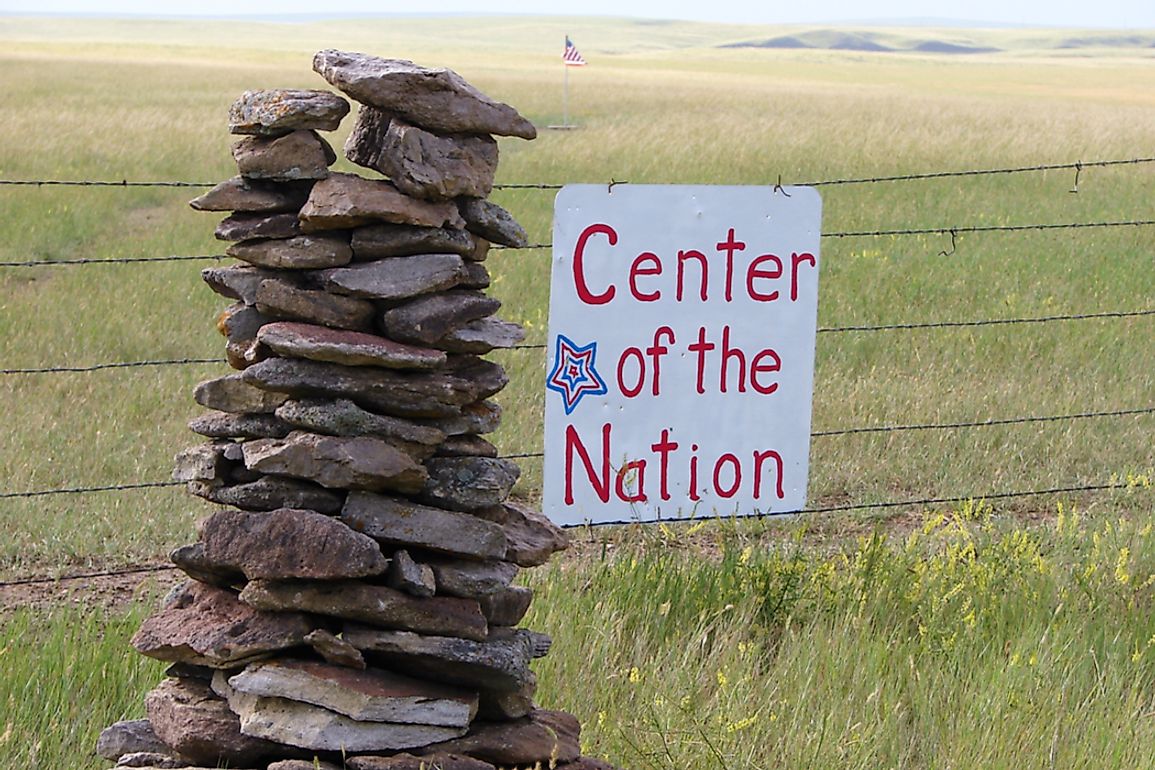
(573, 374)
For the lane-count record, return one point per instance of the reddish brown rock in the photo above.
(542, 736)
(299, 253)
(376, 605)
(347, 200)
(337, 462)
(294, 156)
(397, 278)
(319, 343)
(278, 111)
(252, 195)
(427, 319)
(198, 725)
(209, 626)
(288, 543)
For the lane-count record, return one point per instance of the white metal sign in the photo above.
(680, 358)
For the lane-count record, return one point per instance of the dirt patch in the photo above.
(109, 589)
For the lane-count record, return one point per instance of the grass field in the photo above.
(786, 655)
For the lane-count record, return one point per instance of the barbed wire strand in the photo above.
(953, 231)
(1110, 486)
(939, 426)
(1076, 166)
(539, 346)
(887, 505)
(40, 579)
(816, 434)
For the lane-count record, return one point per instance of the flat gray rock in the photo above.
(128, 737)
(372, 604)
(310, 727)
(506, 607)
(504, 705)
(347, 200)
(398, 393)
(469, 483)
(233, 394)
(404, 523)
(189, 718)
(410, 577)
(532, 538)
(397, 278)
(269, 493)
(337, 462)
(245, 226)
(420, 163)
(280, 298)
(240, 323)
(237, 282)
(278, 111)
(425, 320)
(208, 626)
(466, 445)
(436, 99)
(288, 544)
(302, 252)
(253, 195)
(295, 156)
(205, 462)
(472, 579)
(350, 348)
(341, 417)
(492, 222)
(225, 425)
(478, 417)
(373, 695)
(384, 240)
(476, 276)
(152, 759)
(481, 336)
(500, 663)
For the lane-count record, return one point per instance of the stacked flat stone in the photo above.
(354, 602)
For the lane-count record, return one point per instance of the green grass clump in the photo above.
(969, 642)
(65, 675)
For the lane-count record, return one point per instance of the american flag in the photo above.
(571, 57)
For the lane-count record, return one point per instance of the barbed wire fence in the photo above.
(1135, 411)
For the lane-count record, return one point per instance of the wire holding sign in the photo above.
(700, 304)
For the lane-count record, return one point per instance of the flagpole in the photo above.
(565, 95)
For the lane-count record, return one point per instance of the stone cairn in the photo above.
(353, 605)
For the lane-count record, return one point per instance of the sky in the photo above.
(1122, 14)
